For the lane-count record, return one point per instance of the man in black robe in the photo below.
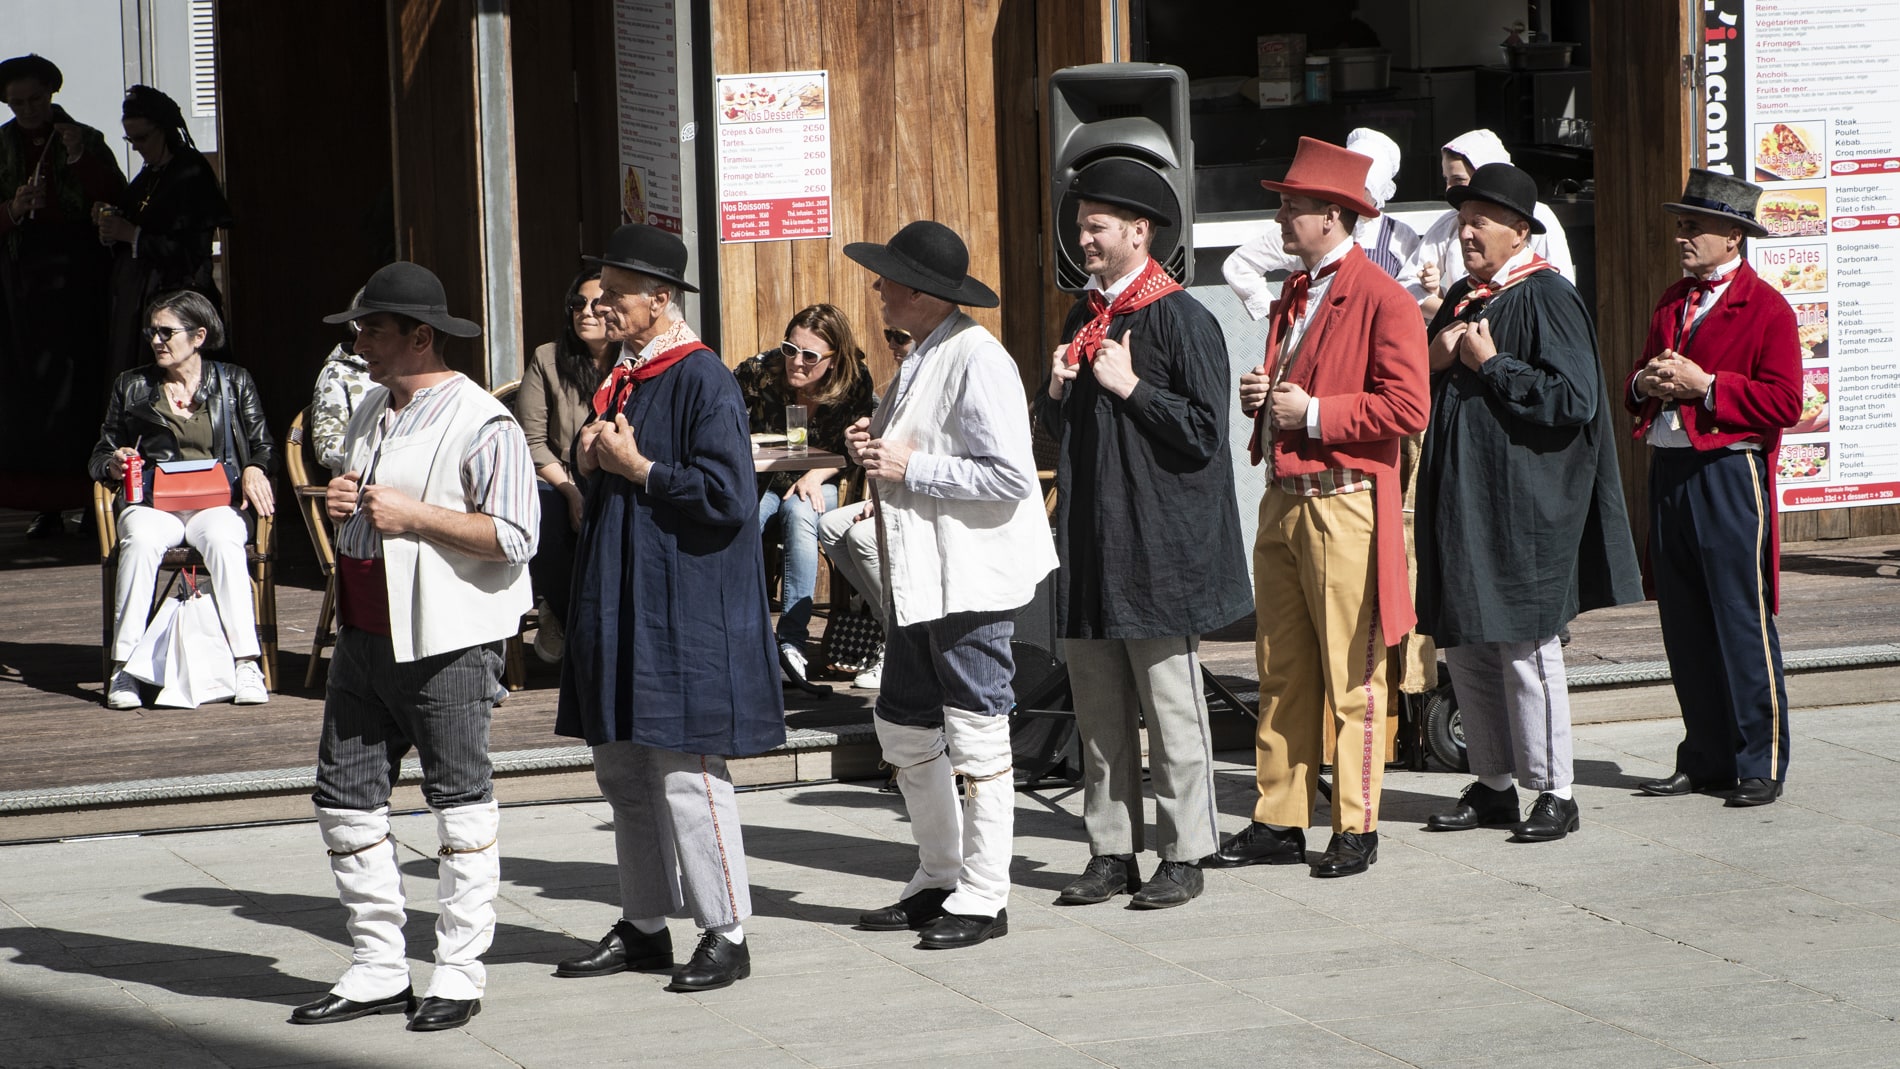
(1520, 523)
(1149, 536)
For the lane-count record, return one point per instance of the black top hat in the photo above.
(1725, 197)
(1503, 185)
(412, 290)
(928, 257)
(1127, 184)
(647, 250)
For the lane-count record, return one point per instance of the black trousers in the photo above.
(1710, 551)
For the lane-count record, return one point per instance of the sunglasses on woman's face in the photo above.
(896, 337)
(579, 304)
(793, 352)
(163, 335)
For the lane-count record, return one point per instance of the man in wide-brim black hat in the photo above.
(953, 476)
(1148, 532)
(670, 666)
(436, 519)
(1720, 382)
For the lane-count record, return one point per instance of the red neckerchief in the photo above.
(1148, 287)
(1693, 298)
(1286, 312)
(613, 393)
(1484, 291)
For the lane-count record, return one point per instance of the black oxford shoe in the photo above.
(1174, 883)
(716, 963)
(908, 915)
(1478, 807)
(624, 947)
(953, 931)
(1551, 819)
(1106, 876)
(1752, 792)
(1259, 844)
(333, 1008)
(439, 1014)
(1679, 783)
(1348, 854)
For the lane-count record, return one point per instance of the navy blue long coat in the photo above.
(669, 638)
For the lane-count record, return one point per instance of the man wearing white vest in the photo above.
(965, 542)
(436, 520)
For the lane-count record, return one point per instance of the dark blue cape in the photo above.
(669, 638)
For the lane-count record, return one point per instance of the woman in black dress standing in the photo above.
(161, 231)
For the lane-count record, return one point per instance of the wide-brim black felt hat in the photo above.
(1503, 185)
(928, 257)
(407, 289)
(1722, 196)
(646, 250)
(1127, 184)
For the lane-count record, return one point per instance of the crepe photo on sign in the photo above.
(1810, 322)
(1796, 269)
(1813, 402)
(633, 197)
(1789, 151)
(1803, 462)
(1793, 213)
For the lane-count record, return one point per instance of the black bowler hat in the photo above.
(412, 290)
(1127, 184)
(646, 250)
(35, 66)
(1725, 197)
(1503, 185)
(928, 257)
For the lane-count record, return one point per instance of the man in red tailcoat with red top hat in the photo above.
(1343, 381)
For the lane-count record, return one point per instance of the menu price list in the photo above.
(647, 97)
(774, 156)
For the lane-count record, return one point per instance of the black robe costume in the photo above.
(1521, 523)
(178, 209)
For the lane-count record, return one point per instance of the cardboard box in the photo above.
(1282, 92)
(1282, 56)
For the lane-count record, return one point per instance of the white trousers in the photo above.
(218, 534)
(962, 844)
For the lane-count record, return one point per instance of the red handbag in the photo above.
(185, 485)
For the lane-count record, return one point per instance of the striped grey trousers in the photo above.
(1515, 705)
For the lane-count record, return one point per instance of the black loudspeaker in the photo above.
(1127, 111)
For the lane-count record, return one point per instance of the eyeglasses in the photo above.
(577, 303)
(793, 352)
(897, 337)
(163, 335)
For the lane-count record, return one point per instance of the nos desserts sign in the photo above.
(774, 156)
(1803, 97)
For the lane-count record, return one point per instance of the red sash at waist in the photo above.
(362, 594)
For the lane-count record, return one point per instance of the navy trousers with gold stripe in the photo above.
(1709, 553)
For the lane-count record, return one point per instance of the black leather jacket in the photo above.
(130, 418)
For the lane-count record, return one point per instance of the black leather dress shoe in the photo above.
(439, 1014)
(1679, 783)
(1106, 876)
(1174, 883)
(1348, 854)
(1259, 844)
(716, 963)
(909, 914)
(1478, 807)
(1751, 792)
(46, 525)
(333, 1007)
(1551, 819)
(624, 947)
(953, 931)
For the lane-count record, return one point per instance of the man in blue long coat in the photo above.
(670, 664)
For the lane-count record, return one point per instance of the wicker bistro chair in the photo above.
(309, 494)
(261, 554)
(514, 666)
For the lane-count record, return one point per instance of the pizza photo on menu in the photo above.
(1810, 323)
(1813, 402)
(1789, 151)
(1793, 213)
(1802, 462)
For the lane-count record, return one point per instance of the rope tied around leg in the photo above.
(449, 851)
(970, 782)
(358, 850)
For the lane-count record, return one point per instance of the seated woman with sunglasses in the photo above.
(184, 407)
(819, 366)
(556, 395)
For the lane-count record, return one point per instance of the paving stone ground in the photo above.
(1668, 932)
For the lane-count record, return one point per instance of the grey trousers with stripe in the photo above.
(1119, 684)
(676, 834)
(1515, 706)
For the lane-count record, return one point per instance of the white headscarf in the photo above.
(1380, 184)
(1480, 147)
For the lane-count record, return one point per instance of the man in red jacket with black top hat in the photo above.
(1721, 382)
(1343, 382)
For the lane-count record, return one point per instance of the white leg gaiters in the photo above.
(468, 876)
(930, 796)
(978, 744)
(363, 860)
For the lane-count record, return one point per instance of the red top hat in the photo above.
(1329, 173)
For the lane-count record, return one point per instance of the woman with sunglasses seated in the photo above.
(184, 407)
(556, 397)
(819, 366)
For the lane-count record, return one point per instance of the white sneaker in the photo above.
(873, 677)
(550, 638)
(124, 691)
(250, 684)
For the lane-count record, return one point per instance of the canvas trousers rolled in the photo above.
(468, 876)
(369, 884)
(964, 844)
(1514, 704)
(1120, 684)
(1321, 657)
(677, 840)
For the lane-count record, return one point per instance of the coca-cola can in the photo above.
(134, 479)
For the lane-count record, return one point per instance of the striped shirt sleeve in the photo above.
(498, 476)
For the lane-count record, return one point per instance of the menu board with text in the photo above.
(1809, 108)
(646, 84)
(774, 156)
